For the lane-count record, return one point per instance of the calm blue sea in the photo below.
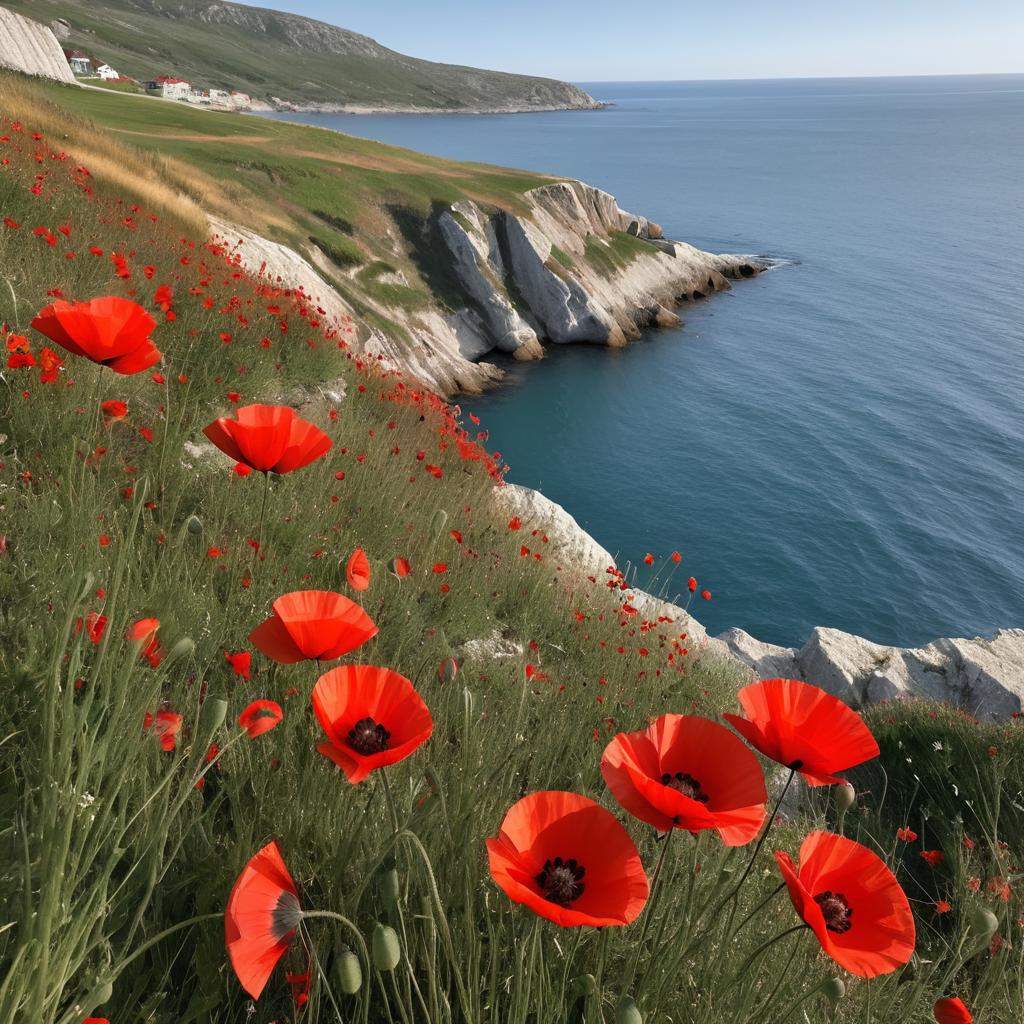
(841, 441)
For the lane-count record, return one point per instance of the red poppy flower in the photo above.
(568, 860)
(312, 624)
(803, 727)
(110, 331)
(952, 1011)
(114, 409)
(401, 567)
(240, 663)
(357, 572)
(167, 725)
(262, 916)
(372, 716)
(687, 772)
(270, 438)
(260, 716)
(852, 902)
(144, 633)
(933, 858)
(906, 835)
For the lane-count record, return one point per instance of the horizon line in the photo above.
(794, 78)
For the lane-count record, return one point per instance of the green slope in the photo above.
(272, 54)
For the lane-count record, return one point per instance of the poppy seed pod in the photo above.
(627, 1012)
(194, 525)
(439, 522)
(982, 925)
(834, 989)
(212, 716)
(390, 888)
(182, 649)
(584, 985)
(387, 953)
(846, 797)
(349, 973)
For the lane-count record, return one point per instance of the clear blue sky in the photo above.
(603, 40)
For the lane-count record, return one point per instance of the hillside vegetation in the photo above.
(273, 55)
(136, 560)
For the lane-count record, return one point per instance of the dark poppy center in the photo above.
(285, 916)
(368, 737)
(836, 911)
(684, 783)
(561, 881)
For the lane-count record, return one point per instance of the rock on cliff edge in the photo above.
(985, 676)
(31, 48)
(564, 265)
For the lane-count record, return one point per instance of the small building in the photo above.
(107, 73)
(80, 63)
(220, 98)
(176, 88)
(240, 100)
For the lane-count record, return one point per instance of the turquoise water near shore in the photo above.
(840, 441)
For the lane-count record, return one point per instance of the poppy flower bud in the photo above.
(387, 953)
(390, 888)
(182, 649)
(194, 525)
(834, 989)
(846, 797)
(982, 926)
(211, 717)
(349, 973)
(627, 1012)
(101, 994)
(447, 670)
(584, 985)
(439, 522)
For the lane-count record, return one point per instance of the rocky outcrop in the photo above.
(572, 267)
(985, 676)
(566, 265)
(31, 48)
(549, 530)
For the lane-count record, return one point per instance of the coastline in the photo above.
(282, 106)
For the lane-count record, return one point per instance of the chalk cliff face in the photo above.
(566, 266)
(31, 48)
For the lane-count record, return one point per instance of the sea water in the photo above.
(837, 442)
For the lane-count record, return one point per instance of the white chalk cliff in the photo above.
(31, 48)
(567, 266)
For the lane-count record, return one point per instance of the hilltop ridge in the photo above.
(285, 60)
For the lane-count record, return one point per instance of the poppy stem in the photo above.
(308, 940)
(760, 842)
(263, 512)
(649, 912)
(763, 948)
(798, 1002)
(149, 944)
(390, 800)
(357, 934)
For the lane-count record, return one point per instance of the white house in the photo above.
(177, 89)
(220, 98)
(240, 100)
(107, 72)
(80, 65)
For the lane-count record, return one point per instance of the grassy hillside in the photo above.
(120, 844)
(362, 210)
(272, 54)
